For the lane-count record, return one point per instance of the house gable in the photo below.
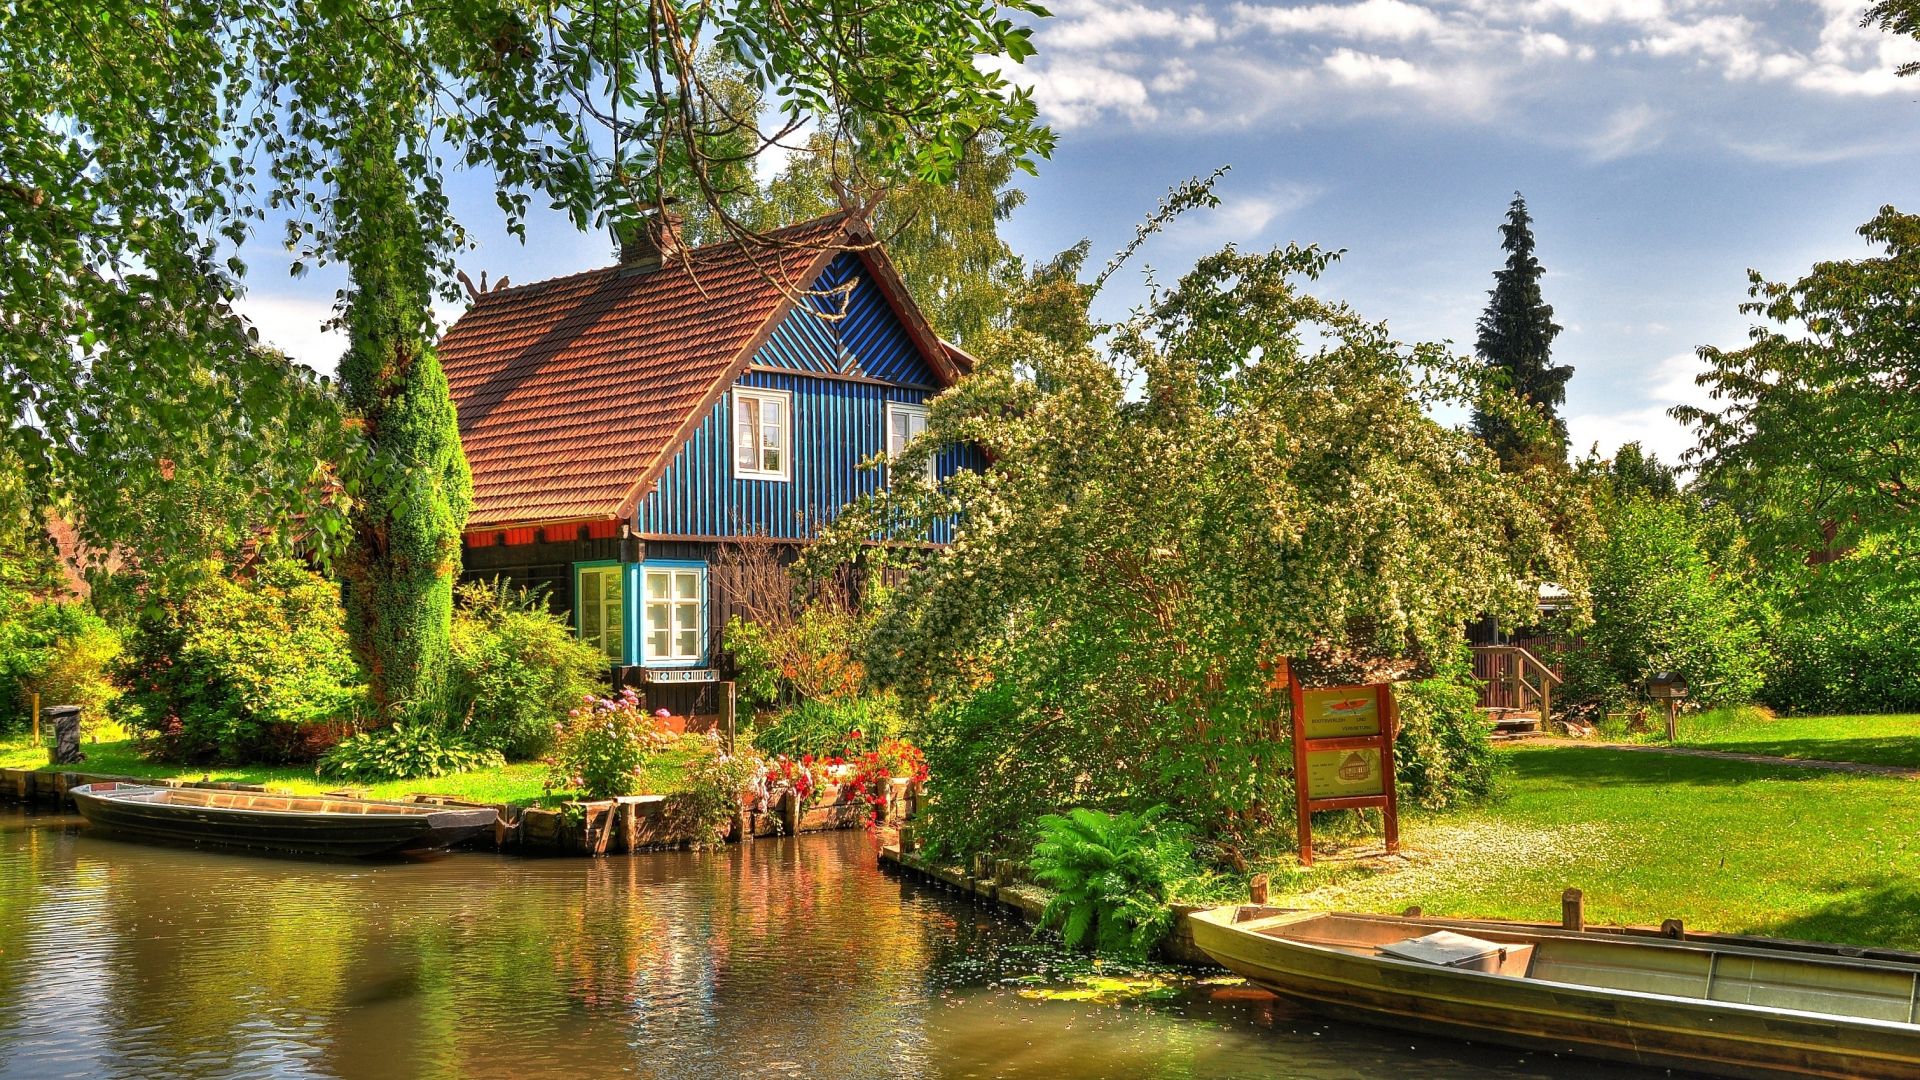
(840, 375)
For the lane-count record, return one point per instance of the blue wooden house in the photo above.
(624, 423)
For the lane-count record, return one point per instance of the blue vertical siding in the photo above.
(835, 426)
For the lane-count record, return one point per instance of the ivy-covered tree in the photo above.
(1515, 342)
(143, 143)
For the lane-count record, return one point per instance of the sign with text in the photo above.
(682, 675)
(1343, 753)
(1341, 711)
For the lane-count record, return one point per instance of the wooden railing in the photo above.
(1513, 679)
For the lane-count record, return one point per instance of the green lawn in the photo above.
(1872, 740)
(1724, 845)
(519, 783)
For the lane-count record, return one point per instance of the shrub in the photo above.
(517, 670)
(1109, 874)
(1441, 755)
(238, 670)
(719, 785)
(61, 651)
(1848, 640)
(1660, 604)
(604, 746)
(403, 752)
(823, 727)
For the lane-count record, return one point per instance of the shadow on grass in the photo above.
(1901, 751)
(1880, 910)
(1595, 766)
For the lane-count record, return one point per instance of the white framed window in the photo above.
(906, 423)
(762, 434)
(602, 610)
(673, 624)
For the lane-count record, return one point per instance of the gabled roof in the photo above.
(574, 393)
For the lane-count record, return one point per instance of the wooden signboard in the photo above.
(1343, 754)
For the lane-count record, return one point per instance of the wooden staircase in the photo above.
(1516, 689)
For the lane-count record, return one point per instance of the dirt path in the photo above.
(1758, 759)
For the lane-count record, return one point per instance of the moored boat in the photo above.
(1723, 1005)
(288, 823)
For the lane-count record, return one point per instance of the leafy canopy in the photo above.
(1247, 473)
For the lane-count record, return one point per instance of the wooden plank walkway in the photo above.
(1759, 759)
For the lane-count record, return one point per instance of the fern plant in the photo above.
(1109, 876)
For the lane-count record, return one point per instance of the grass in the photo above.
(1725, 845)
(1871, 740)
(517, 783)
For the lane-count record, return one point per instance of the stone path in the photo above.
(1760, 759)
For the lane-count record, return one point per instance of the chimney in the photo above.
(650, 241)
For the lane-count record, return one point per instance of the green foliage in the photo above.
(1814, 435)
(518, 670)
(403, 752)
(1442, 756)
(1661, 604)
(1251, 474)
(1515, 341)
(1848, 637)
(811, 656)
(718, 784)
(825, 727)
(238, 669)
(604, 747)
(59, 650)
(1109, 875)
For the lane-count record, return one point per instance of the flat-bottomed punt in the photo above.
(1720, 1004)
(287, 823)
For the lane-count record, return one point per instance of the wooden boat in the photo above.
(288, 823)
(1719, 1004)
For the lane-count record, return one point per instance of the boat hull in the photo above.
(262, 824)
(1636, 1028)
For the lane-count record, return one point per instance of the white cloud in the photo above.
(293, 324)
(1076, 92)
(1096, 26)
(1241, 218)
(1389, 20)
(1629, 130)
(1669, 384)
(1366, 69)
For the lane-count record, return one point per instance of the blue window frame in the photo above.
(672, 613)
(603, 610)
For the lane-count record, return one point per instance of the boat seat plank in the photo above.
(1675, 972)
(1813, 987)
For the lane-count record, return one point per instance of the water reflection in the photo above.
(776, 958)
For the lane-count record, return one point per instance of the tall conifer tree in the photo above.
(1516, 340)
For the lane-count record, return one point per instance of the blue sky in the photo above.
(1664, 147)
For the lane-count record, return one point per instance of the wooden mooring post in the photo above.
(1573, 910)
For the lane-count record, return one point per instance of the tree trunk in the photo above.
(415, 488)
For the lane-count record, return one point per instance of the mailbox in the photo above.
(1666, 686)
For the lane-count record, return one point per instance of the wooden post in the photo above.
(1546, 702)
(1257, 889)
(1674, 929)
(1413, 912)
(790, 813)
(1573, 910)
(1672, 734)
(727, 706)
(1300, 792)
(1389, 707)
(36, 718)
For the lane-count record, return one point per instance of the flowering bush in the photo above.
(902, 758)
(780, 774)
(719, 786)
(603, 745)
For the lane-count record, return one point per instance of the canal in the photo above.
(778, 958)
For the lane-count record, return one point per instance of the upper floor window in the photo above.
(762, 434)
(906, 423)
(602, 610)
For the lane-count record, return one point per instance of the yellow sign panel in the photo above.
(1341, 712)
(1341, 774)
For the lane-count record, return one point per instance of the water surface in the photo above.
(778, 958)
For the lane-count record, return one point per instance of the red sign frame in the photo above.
(1389, 713)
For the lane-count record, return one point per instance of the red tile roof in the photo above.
(574, 393)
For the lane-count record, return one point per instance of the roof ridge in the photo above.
(730, 245)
